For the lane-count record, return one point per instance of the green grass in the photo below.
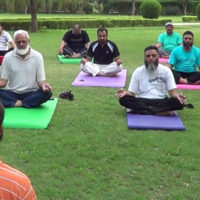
(88, 153)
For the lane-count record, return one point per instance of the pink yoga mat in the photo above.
(163, 60)
(118, 81)
(188, 87)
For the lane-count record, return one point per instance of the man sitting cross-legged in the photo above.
(149, 87)
(23, 75)
(106, 56)
(184, 60)
(14, 185)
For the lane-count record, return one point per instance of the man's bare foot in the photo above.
(76, 55)
(197, 82)
(101, 74)
(18, 103)
(166, 113)
(183, 81)
(107, 75)
(83, 60)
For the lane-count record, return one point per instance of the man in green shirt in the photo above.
(168, 40)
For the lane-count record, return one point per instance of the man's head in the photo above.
(22, 41)
(151, 57)
(188, 40)
(102, 34)
(169, 27)
(1, 120)
(76, 29)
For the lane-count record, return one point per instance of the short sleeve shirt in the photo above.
(152, 85)
(5, 38)
(184, 61)
(23, 74)
(103, 54)
(76, 42)
(14, 184)
(169, 42)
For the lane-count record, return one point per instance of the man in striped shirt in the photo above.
(14, 185)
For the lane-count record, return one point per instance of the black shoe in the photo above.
(67, 95)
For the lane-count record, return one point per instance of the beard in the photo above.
(187, 45)
(151, 66)
(22, 52)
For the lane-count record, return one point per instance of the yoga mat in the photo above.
(137, 121)
(65, 60)
(163, 60)
(1, 59)
(30, 118)
(188, 87)
(117, 81)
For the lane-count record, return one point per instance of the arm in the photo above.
(3, 82)
(44, 86)
(121, 93)
(12, 44)
(118, 60)
(158, 45)
(62, 44)
(87, 45)
(180, 96)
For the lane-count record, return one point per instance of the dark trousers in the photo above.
(191, 77)
(69, 51)
(2, 53)
(150, 106)
(29, 99)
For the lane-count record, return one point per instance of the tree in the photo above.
(34, 21)
(133, 7)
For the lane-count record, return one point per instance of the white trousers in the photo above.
(94, 69)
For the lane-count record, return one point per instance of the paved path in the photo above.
(187, 24)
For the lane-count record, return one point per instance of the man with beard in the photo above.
(184, 60)
(75, 43)
(149, 87)
(14, 184)
(106, 56)
(168, 40)
(23, 75)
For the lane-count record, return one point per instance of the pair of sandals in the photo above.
(67, 95)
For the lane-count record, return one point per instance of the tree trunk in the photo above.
(26, 6)
(133, 8)
(34, 22)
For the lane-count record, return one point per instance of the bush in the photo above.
(198, 11)
(151, 9)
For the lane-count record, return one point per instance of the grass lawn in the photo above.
(88, 153)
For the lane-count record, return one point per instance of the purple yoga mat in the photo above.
(188, 87)
(137, 121)
(118, 81)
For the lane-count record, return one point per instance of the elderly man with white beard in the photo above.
(149, 87)
(23, 75)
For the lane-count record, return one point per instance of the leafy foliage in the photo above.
(198, 11)
(151, 9)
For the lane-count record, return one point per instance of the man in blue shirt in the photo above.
(184, 60)
(168, 40)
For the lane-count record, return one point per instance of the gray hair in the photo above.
(21, 32)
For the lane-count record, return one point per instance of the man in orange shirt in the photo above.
(14, 185)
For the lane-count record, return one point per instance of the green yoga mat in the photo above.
(65, 60)
(30, 118)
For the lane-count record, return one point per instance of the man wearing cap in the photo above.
(168, 40)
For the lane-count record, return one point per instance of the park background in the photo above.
(87, 152)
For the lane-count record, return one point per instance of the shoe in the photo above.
(67, 95)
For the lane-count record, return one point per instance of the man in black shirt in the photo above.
(106, 56)
(75, 43)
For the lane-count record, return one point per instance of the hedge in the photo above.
(65, 23)
(190, 19)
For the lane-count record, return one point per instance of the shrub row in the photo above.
(13, 24)
(190, 19)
